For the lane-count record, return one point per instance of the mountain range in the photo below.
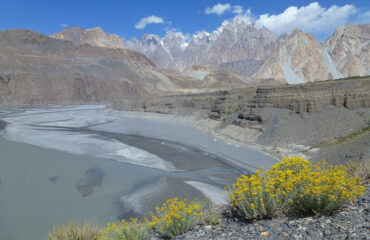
(247, 50)
(83, 66)
(37, 69)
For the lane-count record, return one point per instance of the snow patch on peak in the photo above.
(184, 45)
(201, 34)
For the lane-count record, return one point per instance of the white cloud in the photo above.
(63, 25)
(311, 18)
(237, 9)
(148, 20)
(218, 9)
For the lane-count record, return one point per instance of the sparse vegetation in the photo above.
(349, 136)
(212, 215)
(126, 230)
(360, 168)
(354, 77)
(338, 140)
(74, 231)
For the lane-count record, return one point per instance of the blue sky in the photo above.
(128, 18)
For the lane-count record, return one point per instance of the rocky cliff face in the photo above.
(239, 41)
(298, 58)
(349, 48)
(298, 99)
(163, 52)
(231, 42)
(36, 69)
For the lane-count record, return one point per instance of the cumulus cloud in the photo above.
(63, 25)
(148, 20)
(238, 9)
(218, 9)
(311, 18)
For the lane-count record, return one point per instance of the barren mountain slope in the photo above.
(36, 69)
(209, 78)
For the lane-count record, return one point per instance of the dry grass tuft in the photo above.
(74, 231)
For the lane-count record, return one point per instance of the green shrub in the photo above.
(74, 231)
(126, 230)
(176, 217)
(294, 186)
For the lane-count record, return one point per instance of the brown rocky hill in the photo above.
(36, 69)
(210, 78)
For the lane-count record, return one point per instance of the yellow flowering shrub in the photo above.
(126, 230)
(325, 189)
(294, 185)
(175, 217)
(252, 198)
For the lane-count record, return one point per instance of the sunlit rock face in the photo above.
(299, 58)
(349, 48)
(93, 36)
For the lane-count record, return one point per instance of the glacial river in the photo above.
(90, 163)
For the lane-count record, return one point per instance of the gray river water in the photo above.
(88, 163)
